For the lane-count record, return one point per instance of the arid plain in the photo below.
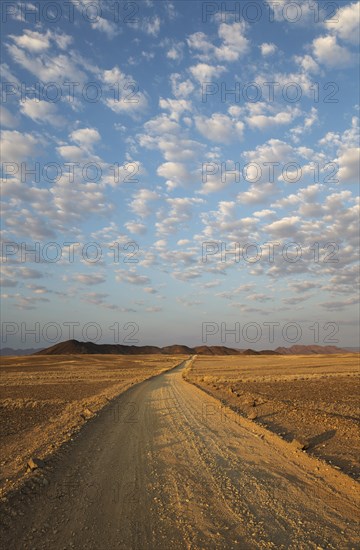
(310, 400)
(159, 451)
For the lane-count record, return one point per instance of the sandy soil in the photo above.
(181, 472)
(312, 399)
(42, 399)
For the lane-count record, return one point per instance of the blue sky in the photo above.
(120, 129)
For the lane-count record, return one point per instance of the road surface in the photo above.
(165, 466)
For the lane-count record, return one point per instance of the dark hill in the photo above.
(298, 349)
(74, 347)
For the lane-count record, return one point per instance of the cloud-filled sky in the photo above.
(183, 173)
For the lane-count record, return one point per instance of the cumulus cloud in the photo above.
(328, 52)
(262, 121)
(233, 44)
(42, 112)
(267, 48)
(86, 279)
(219, 127)
(127, 96)
(181, 88)
(136, 228)
(141, 201)
(181, 211)
(204, 72)
(346, 23)
(131, 277)
(18, 146)
(176, 107)
(85, 136)
(349, 168)
(55, 68)
(176, 174)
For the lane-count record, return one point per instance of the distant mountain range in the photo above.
(74, 347)
(10, 351)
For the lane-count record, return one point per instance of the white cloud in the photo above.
(346, 23)
(267, 48)
(86, 137)
(128, 98)
(140, 203)
(72, 153)
(233, 43)
(257, 194)
(136, 228)
(180, 88)
(17, 146)
(219, 128)
(328, 52)
(33, 41)
(308, 123)
(108, 27)
(131, 277)
(176, 52)
(284, 227)
(148, 25)
(56, 68)
(181, 209)
(94, 16)
(42, 112)
(176, 173)
(348, 163)
(307, 63)
(265, 121)
(204, 72)
(176, 107)
(152, 26)
(85, 279)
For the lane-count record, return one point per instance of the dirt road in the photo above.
(166, 467)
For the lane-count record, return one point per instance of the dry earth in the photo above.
(180, 472)
(166, 465)
(310, 399)
(42, 399)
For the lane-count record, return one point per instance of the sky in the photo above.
(180, 172)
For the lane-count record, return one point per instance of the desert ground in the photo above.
(305, 399)
(166, 464)
(45, 400)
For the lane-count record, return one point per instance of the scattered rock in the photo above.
(34, 464)
(252, 415)
(87, 413)
(300, 445)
